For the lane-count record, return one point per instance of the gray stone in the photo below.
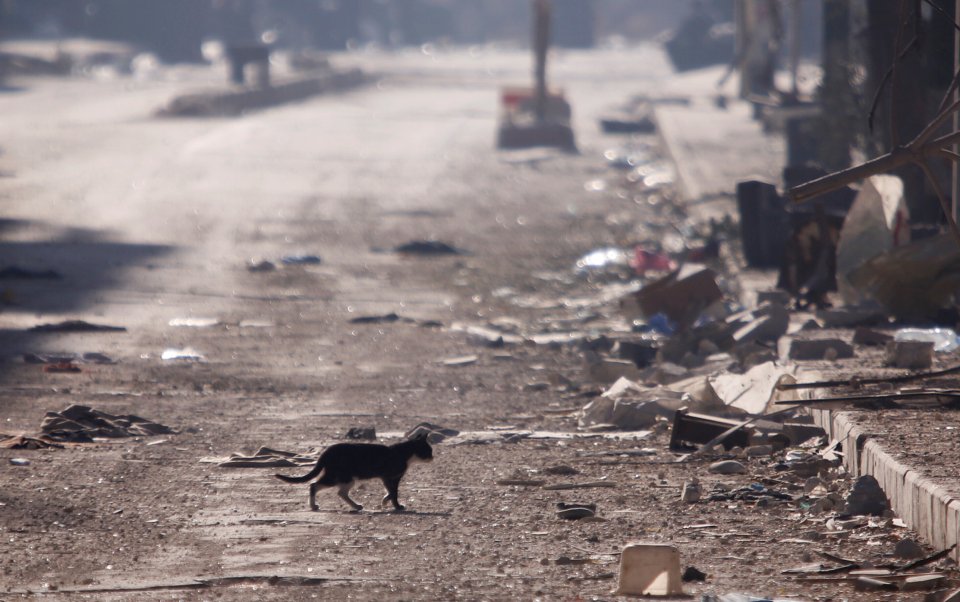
(818, 349)
(867, 498)
(870, 337)
(912, 355)
(780, 297)
(757, 451)
(849, 317)
(727, 467)
(770, 322)
(691, 491)
(908, 549)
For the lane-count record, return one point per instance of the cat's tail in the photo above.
(316, 470)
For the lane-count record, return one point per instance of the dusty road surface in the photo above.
(149, 221)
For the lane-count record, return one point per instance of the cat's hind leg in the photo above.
(393, 491)
(344, 493)
(327, 480)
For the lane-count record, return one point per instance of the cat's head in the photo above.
(421, 447)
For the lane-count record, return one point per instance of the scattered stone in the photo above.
(912, 355)
(870, 337)
(778, 296)
(561, 469)
(757, 451)
(682, 295)
(770, 322)
(908, 549)
(464, 360)
(641, 353)
(19, 462)
(707, 347)
(427, 247)
(433, 432)
(365, 433)
(667, 372)
(576, 513)
(817, 349)
(26, 442)
(727, 467)
(380, 319)
(607, 370)
(849, 317)
(301, 260)
(919, 583)
(76, 326)
(813, 483)
(186, 354)
(867, 498)
(869, 584)
(692, 573)
(691, 491)
(15, 272)
(261, 265)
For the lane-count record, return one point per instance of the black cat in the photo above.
(344, 463)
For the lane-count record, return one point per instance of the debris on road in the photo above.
(79, 423)
(186, 354)
(92, 357)
(912, 355)
(648, 569)
(194, 322)
(682, 295)
(305, 259)
(76, 326)
(261, 265)
(27, 442)
(266, 457)
(18, 273)
(365, 433)
(463, 360)
(428, 248)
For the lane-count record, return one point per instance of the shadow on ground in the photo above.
(65, 273)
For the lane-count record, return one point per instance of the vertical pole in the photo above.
(954, 170)
(795, 44)
(541, 42)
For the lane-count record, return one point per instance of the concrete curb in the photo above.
(235, 102)
(924, 506)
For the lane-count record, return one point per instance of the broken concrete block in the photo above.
(606, 370)
(818, 349)
(691, 360)
(753, 354)
(727, 467)
(780, 297)
(668, 372)
(691, 491)
(867, 498)
(769, 324)
(921, 583)
(850, 317)
(758, 451)
(869, 584)
(641, 353)
(908, 549)
(912, 355)
(681, 295)
(870, 337)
